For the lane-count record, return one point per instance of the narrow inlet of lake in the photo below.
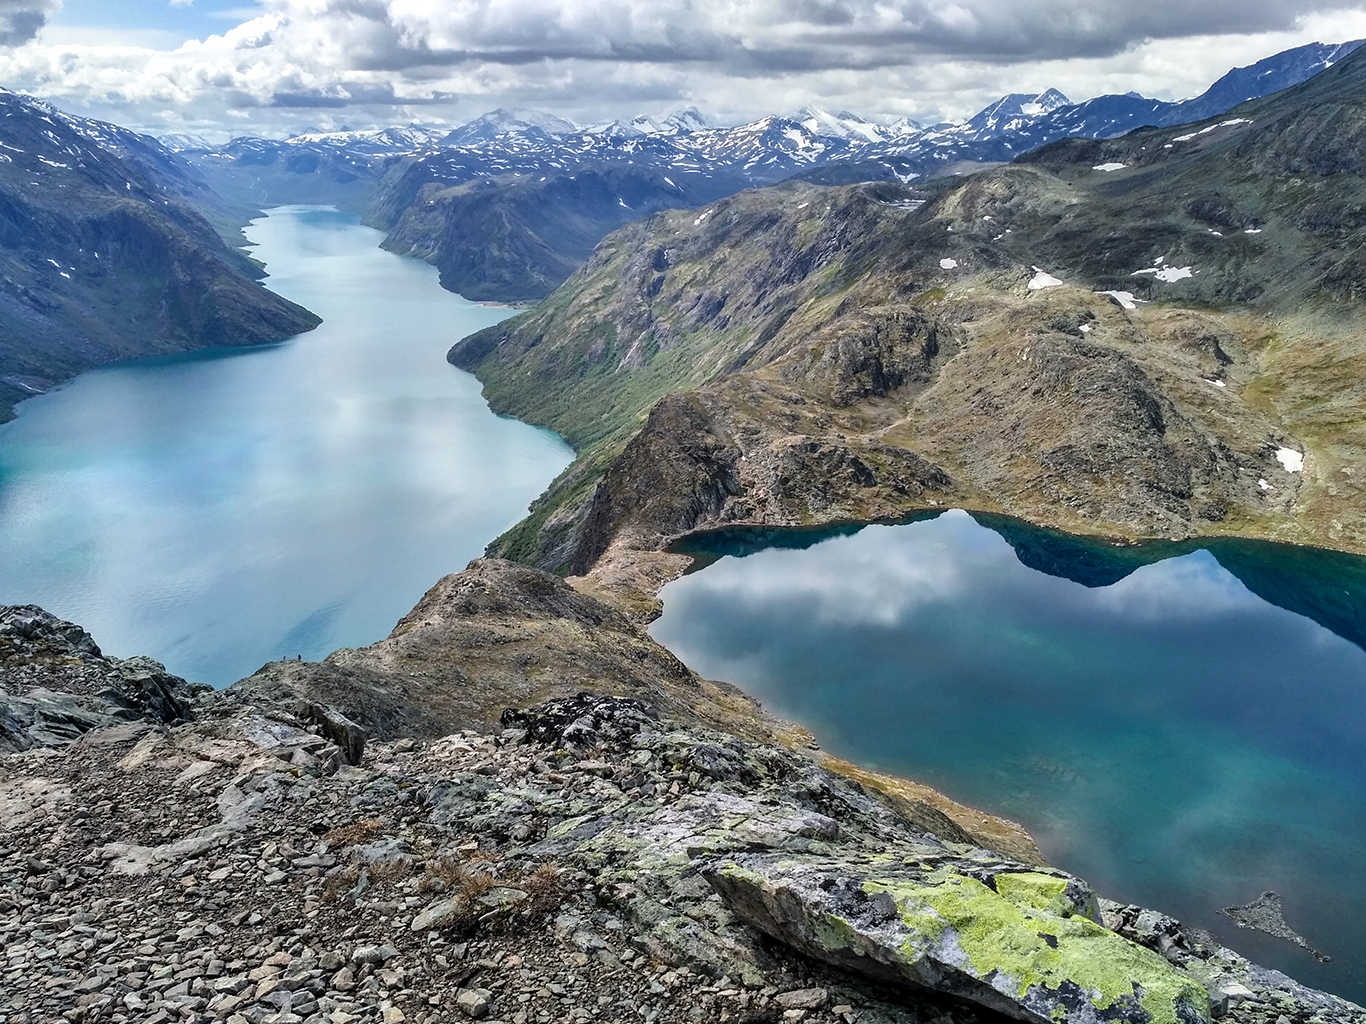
(221, 509)
(1183, 726)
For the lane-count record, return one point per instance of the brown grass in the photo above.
(389, 870)
(356, 832)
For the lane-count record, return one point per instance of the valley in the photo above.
(1096, 369)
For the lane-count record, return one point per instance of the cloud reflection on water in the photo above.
(1172, 736)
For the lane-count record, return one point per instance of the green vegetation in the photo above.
(833, 358)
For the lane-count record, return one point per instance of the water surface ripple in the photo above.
(1182, 725)
(220, 509)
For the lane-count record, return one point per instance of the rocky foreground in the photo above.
(171, 853)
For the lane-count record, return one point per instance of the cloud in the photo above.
(386, 59)
(21, 20)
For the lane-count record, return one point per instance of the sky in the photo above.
(228, 67)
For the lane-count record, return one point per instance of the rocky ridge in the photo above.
(583, 859)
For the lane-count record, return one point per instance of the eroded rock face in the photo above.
(56, 684)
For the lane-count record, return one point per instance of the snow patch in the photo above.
(947, 264)
(1168, 274)
(1265, 486)
(1125, 300)
(1292, 460)
(1109, 167)
(1214, 383)
(1043, 279)
(1252, 231)
(1084, 328)
(701, 217)
(1205, 131)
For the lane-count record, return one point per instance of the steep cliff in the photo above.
(104, 255)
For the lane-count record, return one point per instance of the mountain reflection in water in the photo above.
(1183, 724)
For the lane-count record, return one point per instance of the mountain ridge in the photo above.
(105, 255)
(448, 203)
(1152, 336)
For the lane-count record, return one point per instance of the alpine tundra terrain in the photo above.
(1154, 336)
(171, 853)
(518, 807)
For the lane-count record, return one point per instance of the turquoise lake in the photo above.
(1182, 725)
(225, 508)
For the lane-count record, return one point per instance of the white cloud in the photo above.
(326, 61)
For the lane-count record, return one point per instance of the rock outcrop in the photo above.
(56, 685)
(588, 857)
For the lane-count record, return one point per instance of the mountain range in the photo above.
(111, 248)
(509, 204)
(1153, 335)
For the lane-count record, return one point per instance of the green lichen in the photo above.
(1036, 890)
(1019, 935)
(927, 927)
(835, 933)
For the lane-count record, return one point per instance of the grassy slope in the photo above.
(679, 303)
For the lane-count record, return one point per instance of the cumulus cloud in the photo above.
(21, 20)
(387, 59)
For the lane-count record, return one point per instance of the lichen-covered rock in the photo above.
(1238, 988)
(1023, 943)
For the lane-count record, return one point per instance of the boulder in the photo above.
(346, 734)
(1023, 943)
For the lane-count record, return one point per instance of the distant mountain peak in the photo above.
(509, 121)
(1045, 103)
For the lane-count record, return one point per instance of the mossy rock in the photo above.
(1023, 943)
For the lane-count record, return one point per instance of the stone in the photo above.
(437, 914)
(802, 999)
(1026, 945)
(474, 1002)
(347, 735)
(373, 954)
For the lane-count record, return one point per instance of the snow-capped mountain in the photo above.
(374, 142)
(851, 127)
(1011, 114)
(1018, 124)
(759, 152)
(499, 123)
(508, 169)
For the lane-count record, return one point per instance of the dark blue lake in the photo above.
(1183, 726)
(222, 509)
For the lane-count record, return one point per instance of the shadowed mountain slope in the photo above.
(104, 255)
